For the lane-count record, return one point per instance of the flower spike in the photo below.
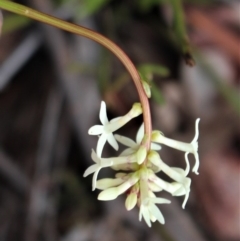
(139, 164)
(140, 161)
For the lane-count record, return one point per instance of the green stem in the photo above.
(33, 14)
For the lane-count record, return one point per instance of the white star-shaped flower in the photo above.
(95, 168)
(180, 187)
(108, 127)
(147, 200)
(107, 162)
(113, 192)
(149, 210)
(133, 146)
(191, 147)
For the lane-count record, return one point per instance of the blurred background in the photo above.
(51, 85)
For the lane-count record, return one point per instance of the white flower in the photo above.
(150, 212)
(113, 192)
(132, 197)
(130, 166)
(121, 161)
(140, 163)
(105, 183)
(182, 146)
(180, 187)
(95, 168)
(132, 145)
(147, 200)
(108, 127)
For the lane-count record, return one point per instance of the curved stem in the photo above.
(28, 12)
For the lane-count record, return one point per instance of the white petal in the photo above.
(145, 214)
(171, 172)
(120, 175)
(91, 170)
(127, 152)
(163, 184)
(155, 147)
(125, 141)
(103, 162)
(140, 134)
(180, 190)
(146, 217)
(187, 164)
(196, 166)
(103, 113)
(179, 170)
(95, 157)
(108, 194)
(111, 140)
(154, 187)
(101, 142)
(94, 179)
(196, 130)
(96, 130)
(160, 200)
(105, 183)
(185, 200)
(115, 119)
(127, 184)
(126, 167)
(153, 219)
(156, 213)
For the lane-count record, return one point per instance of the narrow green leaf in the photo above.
(157, 94)
(147, 69)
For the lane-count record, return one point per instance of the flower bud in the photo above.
(120, 175)
(105, 183)
(141, 154)
(146, 88)
(154, 168)
(126, 167)
(154, 187)
(156, 135)
(108, 194)
(154, 158)
(131, 201)
(136, 110)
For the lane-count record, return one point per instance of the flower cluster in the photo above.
(137, 166)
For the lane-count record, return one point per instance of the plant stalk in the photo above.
(85, 32)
